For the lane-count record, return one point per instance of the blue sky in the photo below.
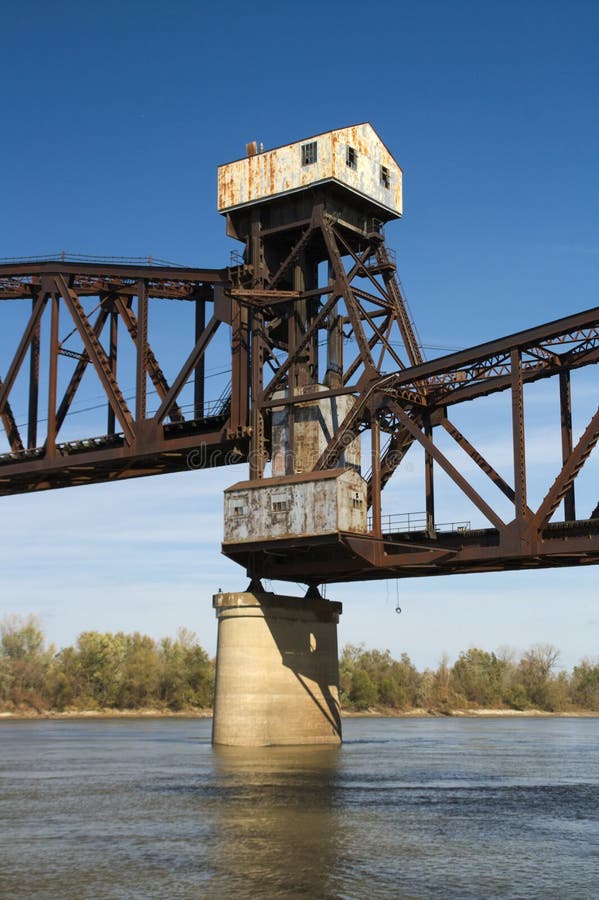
(116, 116)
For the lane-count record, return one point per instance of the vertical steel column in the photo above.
(142, 351)
(258, 436)
(239, 367)
(334, 373)
(199, 371)
(518, 436)
(376, 483)
(112, 357)
(565, 398)
(34, 385)
(298, 324)
(429, 481)
(291, 381)
(53, 378)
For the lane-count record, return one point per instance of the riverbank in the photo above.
(380, 713)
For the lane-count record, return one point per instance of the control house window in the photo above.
(385, 177)
(309, 153)
(356, 501)
(280, 503)
(351, 157)
(238, 507)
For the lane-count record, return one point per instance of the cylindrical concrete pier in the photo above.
(277, 670)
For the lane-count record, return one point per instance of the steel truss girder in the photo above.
(145, 444)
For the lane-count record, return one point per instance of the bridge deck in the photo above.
(341, 556)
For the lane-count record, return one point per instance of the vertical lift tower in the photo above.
(299, 210)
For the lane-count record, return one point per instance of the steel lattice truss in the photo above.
(278, 309)
(135, 442)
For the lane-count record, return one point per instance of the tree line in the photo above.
(476, 680)
(102, 671)
(134, 671)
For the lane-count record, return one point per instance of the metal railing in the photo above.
(67, 256)
(401, 523)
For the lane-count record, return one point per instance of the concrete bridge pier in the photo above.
(277, 669)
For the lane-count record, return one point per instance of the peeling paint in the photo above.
(314, 425)
(278, 508)
(279, 171)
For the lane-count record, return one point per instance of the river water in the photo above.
(406, 808)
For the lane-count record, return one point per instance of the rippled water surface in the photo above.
(405, 808)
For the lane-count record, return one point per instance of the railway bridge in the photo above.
(324, 392)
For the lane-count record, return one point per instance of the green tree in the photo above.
(101, 667)
(585, 685)
(187, 677)
(363, 693)
(24, 662)
(140, 677)
(535, 674)
(477, 677)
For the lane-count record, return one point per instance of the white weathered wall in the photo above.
(275, 172)
(283, 507)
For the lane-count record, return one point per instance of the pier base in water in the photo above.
(277, 670)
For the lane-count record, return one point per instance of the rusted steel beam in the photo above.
(568, 473)
(382, 341)
(566, 431)
(152, 366)
(561, 330)
(113, 345)
(10, 427)
(125, 270)
(355, 365)
(203, 449)
(401, 309)
(258, 454)
(98, 358)
(307, 397)
(400, 443)
(343, 281)
(199, 371)
(52, 379)
(250, 294)
(450, 470)
(187, 368)
(480, 461)
(287, 262)
(30, 329)
(375, 481)
(240, 353)
(429, 480)
(277, 381)
(34, 386)
(518, 437)
(79, 372)
(141, 367)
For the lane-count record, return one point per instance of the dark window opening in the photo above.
(309, 153)
(385, 177)
(351, 158)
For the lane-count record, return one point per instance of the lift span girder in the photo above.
(106, 309)
(407, 407)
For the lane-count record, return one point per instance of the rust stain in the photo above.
(274, 172)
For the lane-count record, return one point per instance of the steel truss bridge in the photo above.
(276, 309)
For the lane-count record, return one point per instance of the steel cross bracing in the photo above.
(302, 286)
(84, 318)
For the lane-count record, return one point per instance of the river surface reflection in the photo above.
(405, 808)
